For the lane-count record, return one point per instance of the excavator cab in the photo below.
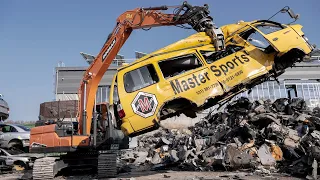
(105, 135)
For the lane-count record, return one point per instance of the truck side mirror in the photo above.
(290, 12)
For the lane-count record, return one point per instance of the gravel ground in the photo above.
(170, 175)
(186, 175)
(11, 176)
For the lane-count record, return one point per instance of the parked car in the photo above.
(18, 159)
(14, 136)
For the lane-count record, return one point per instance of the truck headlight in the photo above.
(305, 38)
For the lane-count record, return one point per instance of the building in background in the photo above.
(67, 80)
(303, 80)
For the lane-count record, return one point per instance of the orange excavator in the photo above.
(79, 143)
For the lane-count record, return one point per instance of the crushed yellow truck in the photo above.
(189, 75)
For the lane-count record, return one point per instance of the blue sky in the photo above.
(35, 35)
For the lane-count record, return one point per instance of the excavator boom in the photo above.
(140, 18)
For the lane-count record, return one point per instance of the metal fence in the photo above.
(310, 92)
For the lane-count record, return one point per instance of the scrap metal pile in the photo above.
(262, 136)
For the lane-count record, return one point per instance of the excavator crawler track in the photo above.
(43, 168)
(107, 165)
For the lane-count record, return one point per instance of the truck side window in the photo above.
(176, 66)
(140, 78)
(212, 56)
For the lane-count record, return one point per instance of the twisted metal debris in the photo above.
(262, 136)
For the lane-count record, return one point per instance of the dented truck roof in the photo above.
(195, 40)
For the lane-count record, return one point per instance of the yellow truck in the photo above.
(189, 75)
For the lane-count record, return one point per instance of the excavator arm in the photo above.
(140, 18)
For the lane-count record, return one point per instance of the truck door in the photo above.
(239, 63)
(249, 56)
(226, 65)
(279, 36)
(139, 97)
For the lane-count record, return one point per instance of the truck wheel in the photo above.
(15, 145)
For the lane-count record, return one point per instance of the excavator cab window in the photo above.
(116, 102)
(115, 94)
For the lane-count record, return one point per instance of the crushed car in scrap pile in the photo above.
(281, 136)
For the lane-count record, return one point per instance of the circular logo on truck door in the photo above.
(144, 104)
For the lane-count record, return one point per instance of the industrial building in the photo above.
(302, 80)
(67, 79)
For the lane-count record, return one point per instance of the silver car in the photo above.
(18, 159)
(14, 136)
